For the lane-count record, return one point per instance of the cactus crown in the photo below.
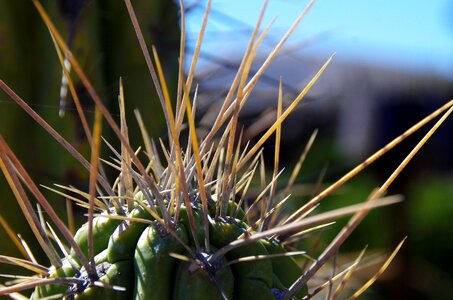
(184, 228)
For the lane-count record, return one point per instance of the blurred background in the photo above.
(393, 66)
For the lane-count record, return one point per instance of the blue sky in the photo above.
(416, 36)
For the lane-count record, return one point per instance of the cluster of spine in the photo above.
(186, 229)
(139, 258)
(168, 232)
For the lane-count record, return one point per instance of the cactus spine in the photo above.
(180, 229)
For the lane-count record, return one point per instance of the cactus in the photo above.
(181, 229)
